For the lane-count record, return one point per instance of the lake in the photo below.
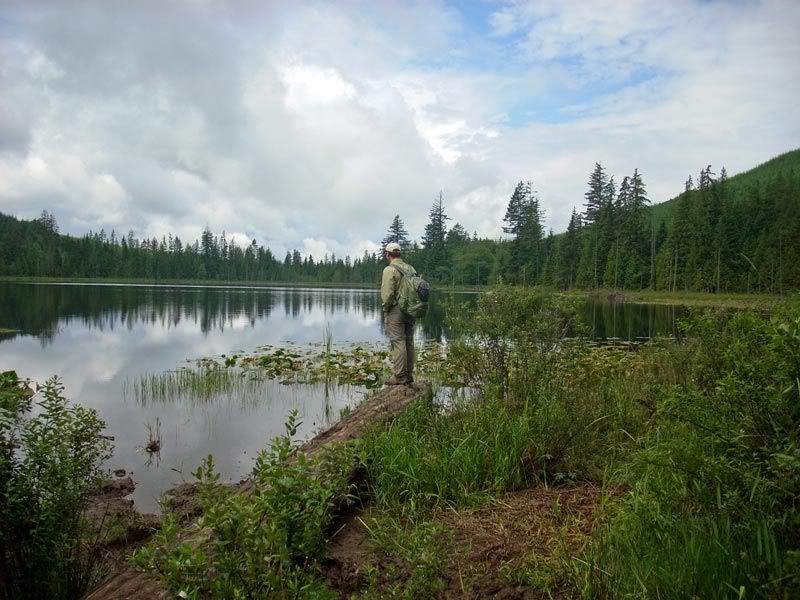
(100, 339)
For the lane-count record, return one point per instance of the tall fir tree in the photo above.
(433, 242)
(598, 187)
(516, 207)
(523, 220)
(397, 233)
(570, 251)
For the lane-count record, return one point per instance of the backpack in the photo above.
(413, 292)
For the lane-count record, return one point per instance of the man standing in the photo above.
(399, 326)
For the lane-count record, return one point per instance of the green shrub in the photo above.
(261, 544)
(702, 434)
(507, 340)
(50, 454)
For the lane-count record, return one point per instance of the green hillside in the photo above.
(739, 183)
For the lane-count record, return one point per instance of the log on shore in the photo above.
(128, 583)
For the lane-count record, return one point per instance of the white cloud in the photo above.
(310, 126)
(309, 86)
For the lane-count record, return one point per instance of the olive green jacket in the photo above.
(390, 284)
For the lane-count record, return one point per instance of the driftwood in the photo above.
(129, 583)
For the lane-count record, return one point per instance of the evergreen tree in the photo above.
(570, 252)
(48, 222)
(397, 233)
(730, 234)
(598, 188)
(457, 235)
(635, 236)
(529, 249)
(514, 216)
(524, 220)
(706, 178)
(435, 257)
(436, 229)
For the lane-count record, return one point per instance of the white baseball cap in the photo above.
(393, 247)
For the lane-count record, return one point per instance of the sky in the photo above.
(309, 125)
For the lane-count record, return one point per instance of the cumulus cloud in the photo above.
(310, 126)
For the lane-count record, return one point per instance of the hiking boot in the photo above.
(393, 380)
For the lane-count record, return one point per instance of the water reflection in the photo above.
(630, 322)
(40, 309)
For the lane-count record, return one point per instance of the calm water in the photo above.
(100, 338)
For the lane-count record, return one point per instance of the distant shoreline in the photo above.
(186, 282)
(216, 283)
(686, 298)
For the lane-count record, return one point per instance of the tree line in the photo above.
(35, 248)
(719, 235)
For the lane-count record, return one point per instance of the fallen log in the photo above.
(128, 583)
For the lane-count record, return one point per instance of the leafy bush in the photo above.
(260, 544)
(507, 340)
(50, 454)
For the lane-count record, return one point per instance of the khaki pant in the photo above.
(400, 330)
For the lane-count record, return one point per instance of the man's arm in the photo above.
(391, 277)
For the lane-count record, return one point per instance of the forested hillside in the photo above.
(720, 234)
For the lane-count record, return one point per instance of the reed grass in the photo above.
(200, 384)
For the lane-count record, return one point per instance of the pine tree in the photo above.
(514, 212)
(598, 187)
(570, 251)
(530, 250)
(435, 256)
(706, 178)
(48, 221)
(397, 233)
(436, 229)
(636, 233)
(524, 220)
(456, 235)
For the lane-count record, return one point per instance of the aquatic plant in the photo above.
(202, 382)
(153, 444)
